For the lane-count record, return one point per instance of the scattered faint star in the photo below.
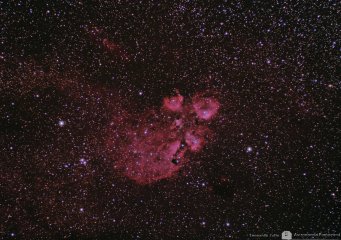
(61, 123)
(249, 149)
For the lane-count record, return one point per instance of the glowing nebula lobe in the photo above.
(173, 103)
(161, 143)
(206, 108)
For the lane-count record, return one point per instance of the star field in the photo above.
(169, 119)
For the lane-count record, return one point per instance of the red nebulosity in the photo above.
(114, 48)
(99, 36)
(173, 103)
(151, 157)
(159, 143)
(195, 138)
(206, 108)
(110, 45)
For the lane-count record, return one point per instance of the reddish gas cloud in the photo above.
(161, 142)
(173, 103)
(152, 156)
(194, 138)
(206, 108)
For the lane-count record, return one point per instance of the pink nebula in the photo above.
(161, 143)
(173, 103)
(206, 108)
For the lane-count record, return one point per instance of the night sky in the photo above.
(169, 119)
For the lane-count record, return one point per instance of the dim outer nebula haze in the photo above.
(169, 119)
